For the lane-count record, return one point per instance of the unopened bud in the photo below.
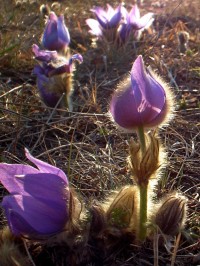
(144, 165)
(98, 219)
(122, 208)
(170, 217)
(45, 10)
(183, 38)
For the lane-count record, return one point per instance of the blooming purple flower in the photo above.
(141, 100)
(133, 22)
(116, 25)
(56, 35)
(110, 18)
(38, 200)
(52, 72)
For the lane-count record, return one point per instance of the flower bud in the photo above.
(144, 166)
(56, 35)
(142, 100)
(170, 216)
(183, 39)
(122, 209)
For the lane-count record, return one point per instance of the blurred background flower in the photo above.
(118, 25)
(110, 18)
(54, 74)
(56, 35)
(133, 24)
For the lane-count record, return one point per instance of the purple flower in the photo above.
(140, 100)
(52, 73)
(110, 18)
(133, 22)
(56, 35)
(38, 200)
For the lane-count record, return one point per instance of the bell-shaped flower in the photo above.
(133, 22)
(39, 197)
(142, 100)
(56, 35)
(54, 76)
(109, 18)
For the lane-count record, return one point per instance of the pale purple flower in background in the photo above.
(132, 22)
(106, 24)
(38, 202)
(140, 100)
(117, 25)
(109, 18)
(56, 35)
(52, 72)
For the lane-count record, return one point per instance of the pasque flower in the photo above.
(110, 18)
(118, 24)
(132, 22)
(105, 20)
(56, 35)
(141, 100)
(38, 200)
(54, 75)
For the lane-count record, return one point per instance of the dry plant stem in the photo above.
(143, 190)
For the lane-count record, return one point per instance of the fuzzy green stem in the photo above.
(142, 139)
(143, 190)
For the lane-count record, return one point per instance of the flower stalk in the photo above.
(142, 230)
(143, 192)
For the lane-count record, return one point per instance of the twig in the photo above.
(175, 249)
(28, 253)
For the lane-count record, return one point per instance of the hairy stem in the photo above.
(143, 190)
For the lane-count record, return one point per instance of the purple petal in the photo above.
(46, 87)
(123, 108)
(124, 32)
(115, 19)
(110, 18)
(17, 224)
(50, 32)
(63, 33)
(8, 173)
(44, 55)
(38, 70)
(145, 21)
(52, 17)
(56, 35)
(45, 186)
(44, 218)
(46, 168)
(134, 14)
(125, 15)
(76, 57)
(94, 26)
(149, 94)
